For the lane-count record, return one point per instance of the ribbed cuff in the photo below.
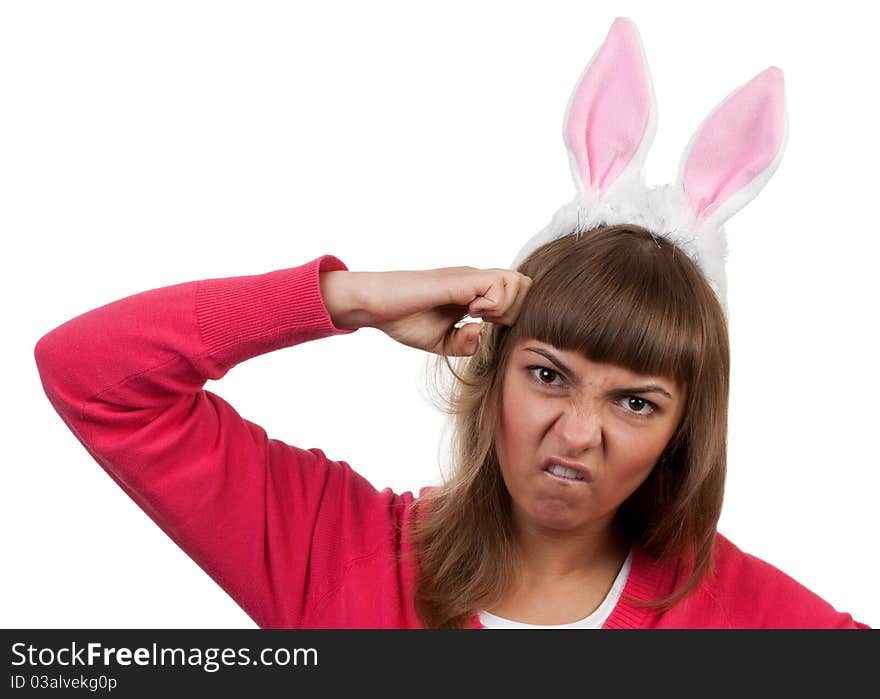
(243, 317)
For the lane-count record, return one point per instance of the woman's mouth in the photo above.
(566, 471)
(566, 475)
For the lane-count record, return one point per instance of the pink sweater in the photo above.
(297, 540)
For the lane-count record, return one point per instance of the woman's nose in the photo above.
(579, 428)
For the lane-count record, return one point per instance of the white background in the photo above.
(146, 144)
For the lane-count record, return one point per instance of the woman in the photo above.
(302, 541)
(590, 408)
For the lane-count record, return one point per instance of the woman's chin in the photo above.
(556, 515)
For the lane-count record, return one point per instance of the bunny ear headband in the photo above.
(609, 125)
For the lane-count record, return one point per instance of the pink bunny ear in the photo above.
(612, 115)
(736, 149)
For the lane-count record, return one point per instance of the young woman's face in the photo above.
(611, 421)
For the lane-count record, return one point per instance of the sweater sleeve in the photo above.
(264, 519)
(755, 594)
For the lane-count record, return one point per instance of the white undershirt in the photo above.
(593, 621)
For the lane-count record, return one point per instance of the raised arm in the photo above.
(262, 518)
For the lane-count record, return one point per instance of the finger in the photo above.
(485, 300)
(514, 285)
(505, 313)
(492, 303)
(464, 341)
(523, 286)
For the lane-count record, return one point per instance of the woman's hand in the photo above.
(418, 308)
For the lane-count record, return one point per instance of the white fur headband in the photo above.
(609, 125)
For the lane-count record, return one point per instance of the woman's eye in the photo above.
(638, 406)
(633, 405)
(539, 373)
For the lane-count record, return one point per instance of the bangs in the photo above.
(618, 295)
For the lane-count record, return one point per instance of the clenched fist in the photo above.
(417, 308)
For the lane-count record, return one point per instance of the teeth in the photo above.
(566, 472)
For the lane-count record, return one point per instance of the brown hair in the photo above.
(618, 295)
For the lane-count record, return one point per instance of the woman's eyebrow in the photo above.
(558, 363)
